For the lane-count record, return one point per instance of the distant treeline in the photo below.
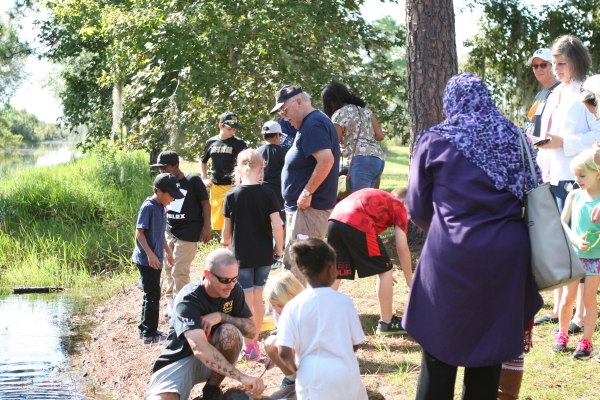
(19, 127)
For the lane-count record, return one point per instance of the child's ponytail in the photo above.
(247, 160)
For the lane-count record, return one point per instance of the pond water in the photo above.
(37, 334)
(44, 153)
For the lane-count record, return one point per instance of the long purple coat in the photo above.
(473, 290)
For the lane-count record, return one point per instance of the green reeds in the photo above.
(72, 225)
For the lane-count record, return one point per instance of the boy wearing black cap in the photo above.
(150, 246)
(223, 150)
(188, 221)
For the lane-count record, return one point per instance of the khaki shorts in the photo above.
(181, 376)
(310, 222)
(216, 199)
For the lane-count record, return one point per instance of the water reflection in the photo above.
(36, 336)
(44, 154)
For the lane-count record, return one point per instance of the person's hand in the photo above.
(207, 182)
(254, 385)
(269, 363)
(170, 260)
(206, 235)
(209, 320)
(596, 213)
(556, 142)
(224, 243)
(153, 261)
(304, 201)
(581, 243)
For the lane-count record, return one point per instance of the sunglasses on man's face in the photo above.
(540, 65)
(225, 281)
(230, 122)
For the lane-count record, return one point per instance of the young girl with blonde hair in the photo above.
(251, 214)
(583, 233)
(279, 291)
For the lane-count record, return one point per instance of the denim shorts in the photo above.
(365, 172)
(253, 278)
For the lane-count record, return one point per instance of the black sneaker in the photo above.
(573, 328)
(584, 350)
(560, 342)
(287, 390)
(394, 327)
(159, 333)
(211, 392)
(153, 340)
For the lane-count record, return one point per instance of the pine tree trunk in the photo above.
(431, 60)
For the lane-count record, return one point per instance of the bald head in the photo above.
(218, 259)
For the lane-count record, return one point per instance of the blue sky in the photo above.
(34, 98)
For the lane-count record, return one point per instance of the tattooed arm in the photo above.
(213, 359)
(245, 325)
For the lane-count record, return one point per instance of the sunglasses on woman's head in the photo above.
(225, 280)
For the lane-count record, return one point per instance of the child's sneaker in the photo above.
(287, 390)
(391, 328)
(157, 333)
(560, 342)
(257, 346)
(251, 355)
(584, 350)
(153, 340)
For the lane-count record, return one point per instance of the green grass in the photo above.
(395, 173)
(72, 225)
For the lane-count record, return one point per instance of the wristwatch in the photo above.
(306, 193)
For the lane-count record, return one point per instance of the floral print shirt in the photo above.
(349, 118)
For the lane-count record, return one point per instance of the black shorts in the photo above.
(357, 251)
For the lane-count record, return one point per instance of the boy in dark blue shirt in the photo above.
(150, 246)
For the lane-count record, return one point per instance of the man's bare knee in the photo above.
(227, 339)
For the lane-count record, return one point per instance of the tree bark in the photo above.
(431, 61)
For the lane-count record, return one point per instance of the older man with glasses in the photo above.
(310, 173)
(205, 338)
(541, 63)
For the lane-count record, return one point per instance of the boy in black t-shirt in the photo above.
(187, 223)
(223, 150)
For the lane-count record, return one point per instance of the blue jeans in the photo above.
(253, 278)
(365, 172)
(560, 193)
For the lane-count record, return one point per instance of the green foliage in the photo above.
(66, 224)
(184, 63)
(7, 139)
(509, 34)
(12, 60)
(28, 128)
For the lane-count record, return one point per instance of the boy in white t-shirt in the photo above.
(321, 327)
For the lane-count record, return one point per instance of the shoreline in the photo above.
(114, 364)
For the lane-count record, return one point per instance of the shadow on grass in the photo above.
(378, 368)
(373, 395)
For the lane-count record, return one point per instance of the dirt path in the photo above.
(118, 366)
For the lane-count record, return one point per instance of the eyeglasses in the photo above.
(225, 280)
(281, 112)
(540, 65)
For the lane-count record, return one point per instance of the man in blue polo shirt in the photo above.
(310, 174)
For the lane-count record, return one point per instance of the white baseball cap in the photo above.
(592, 84)
(271, 127)
(544, 54)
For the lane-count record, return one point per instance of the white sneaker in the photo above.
(169, 310)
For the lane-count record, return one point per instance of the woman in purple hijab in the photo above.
(473, 292)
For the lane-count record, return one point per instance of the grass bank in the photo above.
(72, 225)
